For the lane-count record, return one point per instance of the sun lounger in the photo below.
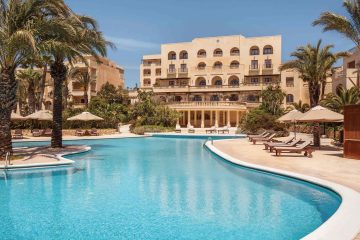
(48, 132)
(79, 132)
(257, 135)
(292, 143)
(275, 143)
(251, 137)
(36, 133)
(263, 139)
(18, 134)
(211, 130)
(191, 129)
(223, 130)
(178, 128)
(94, 132)
(303, 147)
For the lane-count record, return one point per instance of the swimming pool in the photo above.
(158, 188)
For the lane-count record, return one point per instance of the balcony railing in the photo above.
(171, 70)
(146, 64)
(207, 104)
(254, 67)
(183, 70)
(218, 54)
(147, 74)
(268, 66)
(235, 54)
(201, 55)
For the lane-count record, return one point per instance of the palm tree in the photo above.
(21, 25)
(78, 37)
(314, 64)
(342, 98)
(83, 78)
(300, 106)
(31, 78)
(346, 26)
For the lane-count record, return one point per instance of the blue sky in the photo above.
(138, 27)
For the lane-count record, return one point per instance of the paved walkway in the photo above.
(327, 163)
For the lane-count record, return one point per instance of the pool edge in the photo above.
(341, 225)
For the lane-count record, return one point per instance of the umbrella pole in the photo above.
(295, 129)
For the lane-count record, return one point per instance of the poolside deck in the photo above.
(327, 163)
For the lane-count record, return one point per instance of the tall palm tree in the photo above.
(32, 79)
(342, 98)
(314, 64)
(78, 37)
(21, 24)
(300, 106)
(348, 26)
(84, 79)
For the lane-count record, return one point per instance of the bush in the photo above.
(259, 118)
(141, 130)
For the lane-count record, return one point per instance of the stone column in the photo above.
(228, 119)
(195, 118)
(189, 119)
(216, 118)
(211, 118)
(202, 118)
(237, 118)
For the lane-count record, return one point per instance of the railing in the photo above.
(218, 54)
(201, 55)
(268, 66)
(254, 67)
(146, 64)
(183, 70)
(171, 70)
(147, 74)
(235, 54)
(207, 104)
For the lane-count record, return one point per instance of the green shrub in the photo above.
(259, 118)
(141, 130)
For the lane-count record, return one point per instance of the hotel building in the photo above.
(213, 81)
(346, 75)
(100, 73)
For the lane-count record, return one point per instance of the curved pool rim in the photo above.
(343, 224)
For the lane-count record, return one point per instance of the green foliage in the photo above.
(300, 106)
(111, 94)
(343, 97)
(141, 130)
(272, 99)
(147, 112)
(259, 118)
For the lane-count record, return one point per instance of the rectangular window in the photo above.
(171, 83)
(254, 64)
(290, 82)
(183, 68)
(254, 80)
(267, 80)
(172, 68)
(268, 63)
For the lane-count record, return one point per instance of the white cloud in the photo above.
(132, 44)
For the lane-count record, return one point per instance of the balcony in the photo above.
(183, 71)
(171, 72)
(201, 55)
(254, 69)
(210, 105)
(268, 68)
(147, 74)
(146, 64)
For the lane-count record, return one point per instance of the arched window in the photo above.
(201, 53)
(201, 66)
(234, 81)
(200, 81)
(234, 64)
(197, 98)
(218, 52)
(251, 98)
(214, 98)
(289, 98)
(218, 65)
(217, 81)
(183, 54)
(254, 50)
(268, 49)
(172, 55)
(234, 52)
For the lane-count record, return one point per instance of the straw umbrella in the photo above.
(85, 117)
(291, 117)
(17, 117)
(42, 115)
(320, 114)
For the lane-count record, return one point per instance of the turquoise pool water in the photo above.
(158, 188)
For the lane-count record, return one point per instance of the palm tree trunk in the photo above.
(42, 87)
(31, 97)
(8, 87)
(86, 97)
(314, 94)
(58, 73)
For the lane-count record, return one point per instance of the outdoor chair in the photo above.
(223, 130)
(48, 132)
(269, 145)
(191, 129)
(36, 133)
(263, 139)
(251, 137)
(18, 134)
(211, 130)
(94, 132)
(178, 128)
(304, 147)
(79, 132)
